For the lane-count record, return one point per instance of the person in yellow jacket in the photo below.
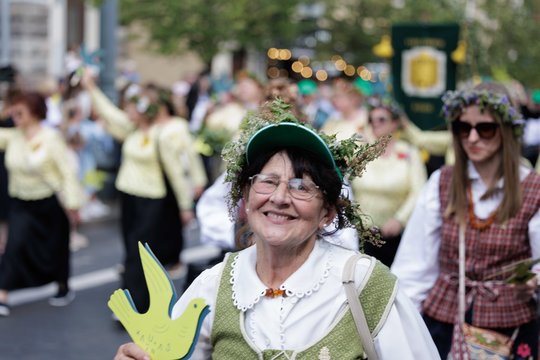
(184, 172)
(155, 196)
(391, 183)
(351, 116)
(37, 249)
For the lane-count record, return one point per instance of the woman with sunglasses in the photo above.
(389, 188)
(493, 200)
(283, 297)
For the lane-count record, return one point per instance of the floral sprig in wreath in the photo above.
(350, 155)
(456, 101)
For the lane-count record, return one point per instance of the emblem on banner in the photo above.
(423, 72)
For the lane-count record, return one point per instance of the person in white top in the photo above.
(284, 296)
(495, 199)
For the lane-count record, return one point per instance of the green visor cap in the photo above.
(287, 134)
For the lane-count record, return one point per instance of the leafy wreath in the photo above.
(350, 155)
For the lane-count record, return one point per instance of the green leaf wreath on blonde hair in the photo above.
(350, 155)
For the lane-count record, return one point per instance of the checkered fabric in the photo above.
(494, 304)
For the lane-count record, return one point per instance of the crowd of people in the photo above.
(355, 181)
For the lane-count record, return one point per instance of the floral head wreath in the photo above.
(350, 156)
(148, 105)
(456, 101)
(145, 106)
(385, 103)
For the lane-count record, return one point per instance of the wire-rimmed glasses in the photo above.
(301, 189)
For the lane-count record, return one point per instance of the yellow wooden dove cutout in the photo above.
(154, 331)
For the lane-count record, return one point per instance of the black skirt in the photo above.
(153, 221)
(37, 250)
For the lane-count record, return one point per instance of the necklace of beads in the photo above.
(274, 293)
(474, 221)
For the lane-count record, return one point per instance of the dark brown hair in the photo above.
(34, 101)
(304, 163)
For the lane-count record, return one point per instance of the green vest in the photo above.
(342, 342)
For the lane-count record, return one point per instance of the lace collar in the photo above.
(248, 289)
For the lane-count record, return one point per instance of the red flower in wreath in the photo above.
(524, 350)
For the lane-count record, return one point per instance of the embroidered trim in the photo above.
(234, 289)
(287, 292)
(324, 354)
(318, 284)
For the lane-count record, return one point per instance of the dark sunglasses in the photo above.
(485, 130)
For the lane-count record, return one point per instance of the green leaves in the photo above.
(498, 34)
(350, 155)
(204, 25)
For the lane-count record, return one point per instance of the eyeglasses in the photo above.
(299, 189)
(485, 130)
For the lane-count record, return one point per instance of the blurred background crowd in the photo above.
(368, 68)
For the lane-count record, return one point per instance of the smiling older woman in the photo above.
(284, 296)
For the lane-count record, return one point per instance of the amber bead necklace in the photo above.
(275, 293)
(474, 221)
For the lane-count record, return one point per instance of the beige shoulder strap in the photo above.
(356, 307)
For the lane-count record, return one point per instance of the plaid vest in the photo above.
(494, 302)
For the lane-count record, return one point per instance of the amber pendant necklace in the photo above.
(275, 293)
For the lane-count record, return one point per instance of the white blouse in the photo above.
(416, 263)
(315, 299)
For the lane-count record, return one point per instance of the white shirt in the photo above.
(303, 317)
(416, 263)
(531, 134)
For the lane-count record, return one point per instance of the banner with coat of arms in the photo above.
(423, 70)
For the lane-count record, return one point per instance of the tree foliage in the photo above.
(500, 33)
(205, 25)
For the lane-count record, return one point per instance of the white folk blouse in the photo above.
(316, 298)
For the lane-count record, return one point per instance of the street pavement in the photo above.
(83, 330)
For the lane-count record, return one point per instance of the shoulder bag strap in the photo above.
(462, 306)
(356, 308)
